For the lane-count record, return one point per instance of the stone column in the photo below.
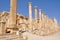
(40, 15)
(30, 12)
(13, 10)
(55, 20)
(36, 12)
(30, 16)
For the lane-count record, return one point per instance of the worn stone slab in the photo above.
(9, 37)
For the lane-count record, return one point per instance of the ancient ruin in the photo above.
(13, 23)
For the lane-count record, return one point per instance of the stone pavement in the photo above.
(30, 36)
(9, 37)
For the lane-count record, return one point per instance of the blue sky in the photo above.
(50, 7)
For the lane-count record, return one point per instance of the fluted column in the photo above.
(13, 10)
(36, 13)
(55, 20)
(30, 17)
(30, 13)
(40, 15)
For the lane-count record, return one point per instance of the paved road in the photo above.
(30, 36)
(9, 37)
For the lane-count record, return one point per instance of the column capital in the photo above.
(30, 2)
(40, 10)
(35, 7)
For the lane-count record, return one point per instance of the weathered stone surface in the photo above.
(9, 37)
(55, 36)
